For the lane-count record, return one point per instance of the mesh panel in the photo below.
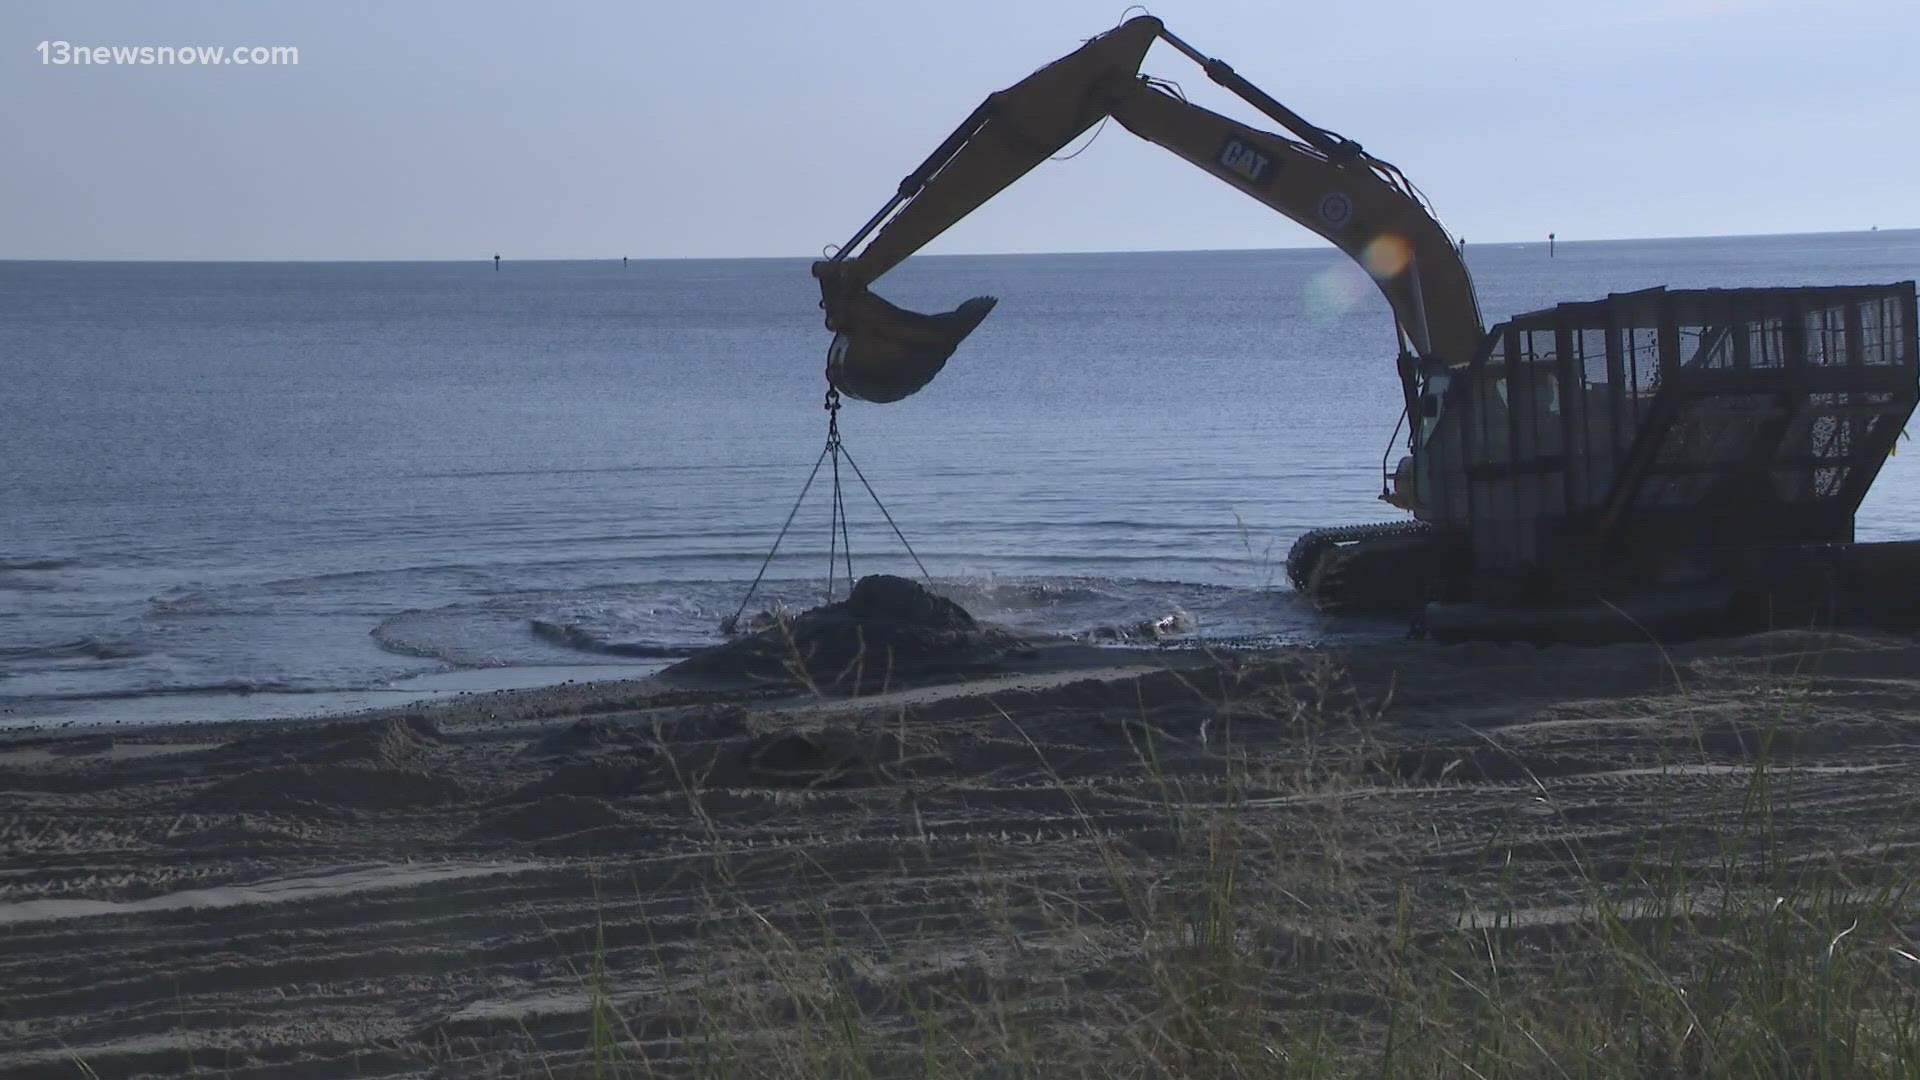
(1775, 406)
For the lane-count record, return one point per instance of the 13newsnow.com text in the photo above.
(67, 54)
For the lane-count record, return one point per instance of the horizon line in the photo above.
(945, 255)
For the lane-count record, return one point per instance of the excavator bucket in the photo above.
(884, 353)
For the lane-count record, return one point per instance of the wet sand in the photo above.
(426, 891)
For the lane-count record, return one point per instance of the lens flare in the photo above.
(1335, 291)
(1388, 255)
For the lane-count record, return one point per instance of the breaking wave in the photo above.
(235, 687)
(35, 564)
(86, 648)
(572, 636)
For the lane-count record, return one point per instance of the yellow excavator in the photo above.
(1657, 460)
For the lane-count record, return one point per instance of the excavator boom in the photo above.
(1318, 179)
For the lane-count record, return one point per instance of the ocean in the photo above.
(247, 490)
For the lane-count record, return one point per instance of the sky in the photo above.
(602, 128)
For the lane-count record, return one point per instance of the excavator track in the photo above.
(1378, 569)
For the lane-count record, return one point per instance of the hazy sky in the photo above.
(633, 127)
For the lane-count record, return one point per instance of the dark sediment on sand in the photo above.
(422, 891)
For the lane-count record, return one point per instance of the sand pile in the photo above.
(888, 630)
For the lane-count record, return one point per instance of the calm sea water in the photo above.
(264, 489)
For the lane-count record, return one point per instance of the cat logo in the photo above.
(1336, 209)
(1240, 158)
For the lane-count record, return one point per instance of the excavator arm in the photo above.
(1318, 179)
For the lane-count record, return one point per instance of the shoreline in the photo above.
(527, 690)
(132, 712)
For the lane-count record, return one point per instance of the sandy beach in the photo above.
(960, 542)
(622, 878)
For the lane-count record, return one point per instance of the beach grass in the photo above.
(1271, 884)
(1224, 949)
